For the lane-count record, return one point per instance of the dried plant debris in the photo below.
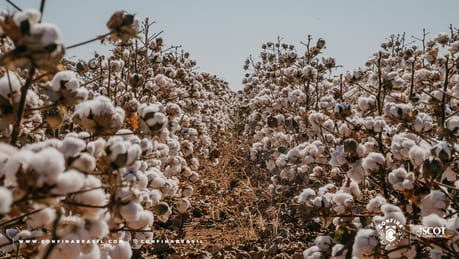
(141, 147)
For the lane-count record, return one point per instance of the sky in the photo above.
(220, 35)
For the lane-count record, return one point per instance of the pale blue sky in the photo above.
(221, 34)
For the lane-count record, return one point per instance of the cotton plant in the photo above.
(385, 131)
(103, 149)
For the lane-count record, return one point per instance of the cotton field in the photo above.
(304, 162)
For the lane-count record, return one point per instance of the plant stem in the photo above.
(24, 89)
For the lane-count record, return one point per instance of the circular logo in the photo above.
(389, 231)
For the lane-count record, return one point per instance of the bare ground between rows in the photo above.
(233, 215)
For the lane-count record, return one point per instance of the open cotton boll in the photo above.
(72, 146)
(67, 250)
(6, 199)
(130, 211)
(145, 219)
(401, 180)
(393, 212)
(65, 80)
(357, 172)
(433, 220)
(43, 218)
(312, 253)
(423, 123)
(338, 157)
(343, 201)
(98, 228)
(306, 195)
(121, 251)
(364, 244)
(374, 205)
(436, 202)
(94, 197)
(324, 243)
(49, 33)
(96, 148)
(31, 15)
(373, 162)
(68, 182)
(339, 252)
(10, 86)
(401, 146)
(84, 163)
(417, 155)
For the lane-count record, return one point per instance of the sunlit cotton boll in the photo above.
(64, 80)
(121, 251)
(436, 202)
(373, 162)
(6, 199)
(43, 218)
(10, 85)
(312, 253)
(423, 123)
(68, 182)
(374, 205)
(364, 244)
(324, 243)
(42, 167)
(417, 155)
(401, 180)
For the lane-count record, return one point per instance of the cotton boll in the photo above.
(343, 201)
(121, 251)
(433, 220)
(317, 118)
(68, 182)
(84, 163)
(374, 205)
(338, 157)
(43, 218)
(401, 180)
(357, 172)
(443, 150)
(417, 155)
(339, 252)
(31, 15)
(6, 199)
(307, 195)
(133, 153)
(373, 162)
(131, 211)
(312, 253)
(423, 123)
(436, 202)
(145, 219)
(96, 148)
(393, 212)
(401, 146)
(64, 80)
(10, 85)
(324, 243)
(94, 197)
(364, 244)
(98, 229)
